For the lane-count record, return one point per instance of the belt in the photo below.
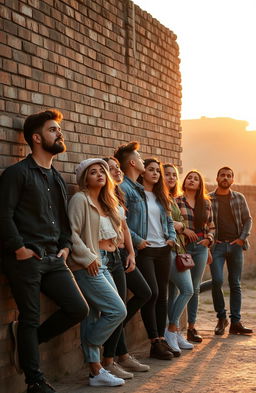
(224, 241)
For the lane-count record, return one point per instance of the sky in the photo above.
(217, 40)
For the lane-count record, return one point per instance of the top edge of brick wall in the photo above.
(154, 21)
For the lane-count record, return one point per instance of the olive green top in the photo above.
(176, 215)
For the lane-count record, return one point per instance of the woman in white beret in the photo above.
(96, 229)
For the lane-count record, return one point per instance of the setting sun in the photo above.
(217, 52)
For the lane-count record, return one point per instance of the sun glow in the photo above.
(217, 51)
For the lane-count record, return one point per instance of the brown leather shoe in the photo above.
(238, 328)
(167, 346)
(159, 351)
(220, 327)
(192, 335)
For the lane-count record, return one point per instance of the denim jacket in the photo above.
(137, 214)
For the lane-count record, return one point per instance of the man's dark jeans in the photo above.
(233, 255)
(51, 276)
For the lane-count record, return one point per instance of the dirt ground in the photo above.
(219, 364)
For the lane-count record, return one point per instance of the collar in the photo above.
(214, 194)
(33, 165)
(133, 184)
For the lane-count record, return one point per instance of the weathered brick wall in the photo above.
(114, 73)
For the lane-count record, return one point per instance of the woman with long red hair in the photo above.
(195, 207)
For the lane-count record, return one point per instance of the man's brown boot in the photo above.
(238, 328)
(220, 327)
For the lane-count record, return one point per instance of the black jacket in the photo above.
(26, 217)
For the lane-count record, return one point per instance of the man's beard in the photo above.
(57, 147)
(224, 186)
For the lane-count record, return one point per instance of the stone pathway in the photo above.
(218, 365)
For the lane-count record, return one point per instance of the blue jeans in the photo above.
(180, 291)
(199, 254)
(107, 310)
(233, 254)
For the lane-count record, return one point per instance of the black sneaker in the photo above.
(40, 387)
(158, 351)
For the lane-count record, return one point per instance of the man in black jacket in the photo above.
(35, 232)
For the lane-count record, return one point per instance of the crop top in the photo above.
(106, 230)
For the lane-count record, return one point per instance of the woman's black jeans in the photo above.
(154, 264)
(51, 276)
(134, 281)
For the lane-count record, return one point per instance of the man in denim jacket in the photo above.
(135, 197)
(155, 260)
(35, 233)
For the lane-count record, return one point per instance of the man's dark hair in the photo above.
(34, 123)
(225, 168)
(123, 152)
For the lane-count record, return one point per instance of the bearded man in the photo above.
(233, 224)
(35, 233)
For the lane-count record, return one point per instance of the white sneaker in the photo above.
(104, 378)
(171, 338)
(183, 343)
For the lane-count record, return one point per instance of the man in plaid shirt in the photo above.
(233, 223)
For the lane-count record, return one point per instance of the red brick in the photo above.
(5, 51)
(18, 19)
(18, 81)
(5, 78)
(13, 107)
(24, 70)
(24, 95)
(31, 85)
(14, 42)
(26, 10)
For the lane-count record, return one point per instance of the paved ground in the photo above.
(218, 365)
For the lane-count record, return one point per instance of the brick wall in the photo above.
(113, 71)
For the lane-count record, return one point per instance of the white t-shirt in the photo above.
(155, 232)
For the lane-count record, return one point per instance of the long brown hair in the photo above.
(175, 191)
(200, 213)
(160, 189)
(119, 193)
(107, 198)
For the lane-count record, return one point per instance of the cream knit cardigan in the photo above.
(85, 224)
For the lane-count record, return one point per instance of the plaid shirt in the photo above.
(188, 214)
(241, 214)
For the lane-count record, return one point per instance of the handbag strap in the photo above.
(181, 242)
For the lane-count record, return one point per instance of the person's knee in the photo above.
(120, 312)
(80, 312)
(217, 283)
(145, 294)
(188, 292)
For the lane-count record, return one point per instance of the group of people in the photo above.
(123, 228)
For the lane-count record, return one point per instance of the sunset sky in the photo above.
(217, 40)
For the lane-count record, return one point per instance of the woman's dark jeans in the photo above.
(134, 281)
(154, 263)
(51, 276)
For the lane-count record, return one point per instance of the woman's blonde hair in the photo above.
(176, 190)
(107, 198)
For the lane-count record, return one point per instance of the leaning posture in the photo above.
(36, 234)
